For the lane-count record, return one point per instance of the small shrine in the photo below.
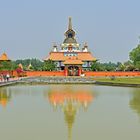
(4, 57)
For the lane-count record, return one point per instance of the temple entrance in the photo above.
(73, 71)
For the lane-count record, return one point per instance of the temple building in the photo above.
(70, 57)
(4, 57)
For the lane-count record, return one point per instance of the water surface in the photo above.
(69, 112)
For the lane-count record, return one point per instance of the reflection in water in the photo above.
(135, 101)
(5, 97)
(70, 101)
(28, 115)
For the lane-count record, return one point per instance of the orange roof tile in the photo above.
(4, 57)
(59, 56)
(73, 61)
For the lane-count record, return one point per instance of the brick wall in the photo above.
(45, 73)
(62, 73)
(112, 73)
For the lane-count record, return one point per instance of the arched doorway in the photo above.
(73, 71)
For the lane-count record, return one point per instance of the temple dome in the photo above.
(70, 40)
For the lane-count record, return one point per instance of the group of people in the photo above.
(4, 77)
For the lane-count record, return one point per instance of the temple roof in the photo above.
(59, 56)
(72, 61)
(4, 57)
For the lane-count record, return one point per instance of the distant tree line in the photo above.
(126, 66)
(28, 64)
(36, 65)
(131, 65)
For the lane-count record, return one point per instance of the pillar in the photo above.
(66, 71)
(79, 71)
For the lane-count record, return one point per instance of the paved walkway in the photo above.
(9, 82)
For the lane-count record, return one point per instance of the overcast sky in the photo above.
(29, 27)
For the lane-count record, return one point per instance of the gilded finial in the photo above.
(70, 23)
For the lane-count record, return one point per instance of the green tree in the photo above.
(24, 63)
(7, 65)
(97, 66)
(129, 66)
(36, 64)
(49, 65)
(109, 66)
(135, 57)
(120, 67)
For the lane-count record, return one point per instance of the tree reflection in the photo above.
(135, 101)
(4, 97)
(70, 101)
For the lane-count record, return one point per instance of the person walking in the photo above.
(7, 77)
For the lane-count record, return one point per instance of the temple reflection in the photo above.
(70, 101)
(5, 97)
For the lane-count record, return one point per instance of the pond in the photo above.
(69, 112)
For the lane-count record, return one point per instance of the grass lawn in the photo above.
(126, 80)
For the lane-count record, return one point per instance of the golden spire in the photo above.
(70, 24)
